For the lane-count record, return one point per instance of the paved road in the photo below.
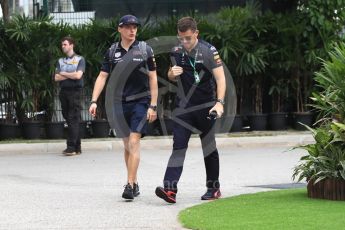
(50, 191)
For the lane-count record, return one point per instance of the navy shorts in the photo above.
(130, 117)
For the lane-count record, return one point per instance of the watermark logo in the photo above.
(164, 45)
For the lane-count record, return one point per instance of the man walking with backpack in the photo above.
(136, 95)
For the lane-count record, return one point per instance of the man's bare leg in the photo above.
(126, 150)
(134, 157)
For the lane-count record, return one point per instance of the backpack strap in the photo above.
(112, 51)
(143, 50)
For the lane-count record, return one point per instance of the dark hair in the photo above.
(186, 23)
(69, 39)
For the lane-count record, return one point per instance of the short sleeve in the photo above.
(214, 58)
(151, 62)
(106, 63)
(81, 65)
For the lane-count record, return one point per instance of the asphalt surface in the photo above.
(42, 189)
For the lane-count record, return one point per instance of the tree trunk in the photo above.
(5, 10)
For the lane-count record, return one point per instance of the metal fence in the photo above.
(60, 6)
(73, 18)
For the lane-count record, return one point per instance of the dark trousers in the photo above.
(182, 130)
(70, 104)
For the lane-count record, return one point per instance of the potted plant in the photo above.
(279, 42)
(324, 166)
(258, 119)
(9, 127)
(278, 91)
(32, 122)
(33, 65)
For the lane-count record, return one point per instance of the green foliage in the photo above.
(329, 101)
(326, 158)
(257, 47)
(31, 49)
(236, 32)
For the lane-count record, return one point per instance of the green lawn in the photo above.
(283, 209)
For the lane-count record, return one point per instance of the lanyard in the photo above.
(195, 73)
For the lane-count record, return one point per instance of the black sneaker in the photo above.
(78, 150)
(136, 191)
(212, 194)
(128, 192)
(167, 195)
(69, 152)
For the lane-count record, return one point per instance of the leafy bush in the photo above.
(326, 158)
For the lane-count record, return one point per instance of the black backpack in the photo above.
(142, 47)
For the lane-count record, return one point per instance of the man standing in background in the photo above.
(69, 73)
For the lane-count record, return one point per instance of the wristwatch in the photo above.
(153, 107)
(93, 102)
(221, 101)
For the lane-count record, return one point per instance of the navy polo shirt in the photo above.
(205, 58)
(136, 87)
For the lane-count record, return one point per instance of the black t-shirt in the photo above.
(135, 82)
(205, 58)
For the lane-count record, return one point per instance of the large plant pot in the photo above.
(306, 118)
(237, 124)
(9, 131)
(277, 121)
(258, 121)
(329, 189)
(54, 130)
(32, 129)
(100, 128)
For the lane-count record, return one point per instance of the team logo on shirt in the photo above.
(117, 54)
(136, 52)
(217, 58)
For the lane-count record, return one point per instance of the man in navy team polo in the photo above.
(69, 73)
(198, 70)
(136, 94)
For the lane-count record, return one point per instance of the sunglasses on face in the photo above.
(186, 38)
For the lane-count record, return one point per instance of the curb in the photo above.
(112, 144)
